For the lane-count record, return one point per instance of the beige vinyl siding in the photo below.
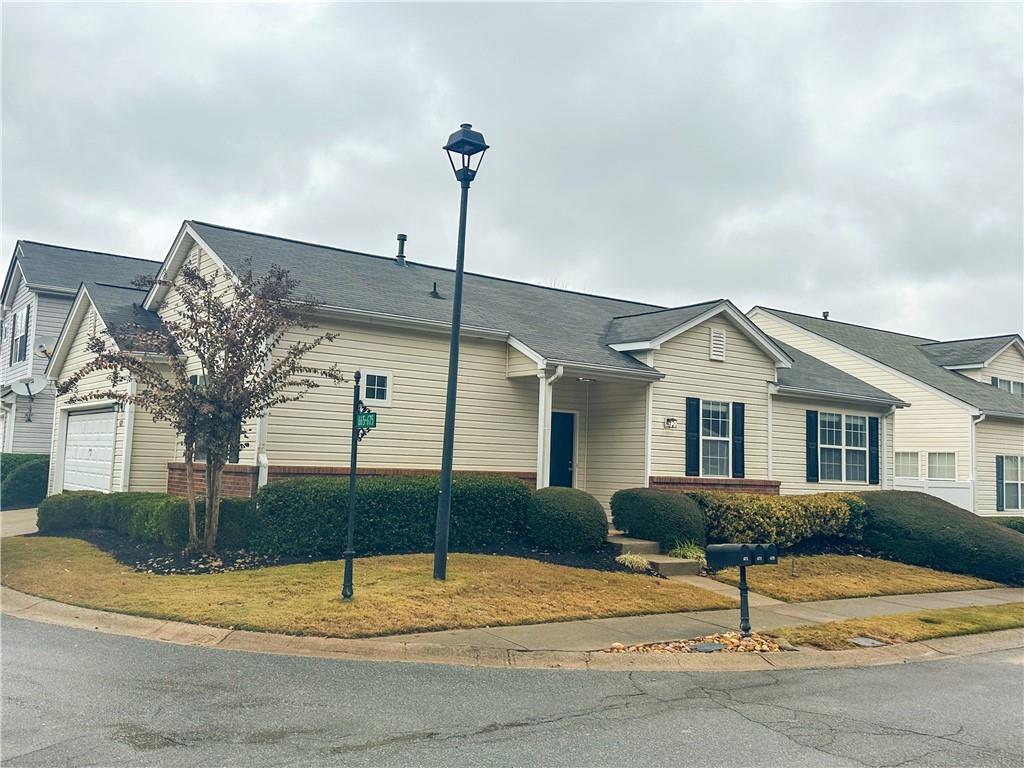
(1009, 364)
(789, 446)
(153, 445)
(994, 437)
(518, 364)
(742, 377)
(496, 417)
(170, 309)
(616, 438)
(574, 396)
(98, 381)
(932, 423)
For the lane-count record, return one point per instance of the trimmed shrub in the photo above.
(1016, 523)
(156, 517)
(662, 516)
(781, 520)
(919, 529)
(397, 513)
(25, 484)
(566, 520)
(11, 461)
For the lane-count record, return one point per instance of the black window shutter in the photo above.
(873, 450)
(692, 437)
(23, 348)
(995, 381)
(737, 440)
(812, 446)
(1000, 501)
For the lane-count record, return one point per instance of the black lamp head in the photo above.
(462, 147)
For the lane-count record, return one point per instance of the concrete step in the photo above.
(674, 566)
(637, 546)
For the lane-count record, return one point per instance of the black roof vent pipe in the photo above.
(434, 292)
(401, 250)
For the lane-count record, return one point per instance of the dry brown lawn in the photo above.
(827, 577)
(394, 594)
(907, 627)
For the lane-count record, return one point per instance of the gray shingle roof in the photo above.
(120, 306)
(54, 266)
(812, 375)
(645, 326)
(906, 354)
(562, 326)
(967, 351)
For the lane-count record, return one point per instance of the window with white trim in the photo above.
(19, 335)
(1013, 482)
(1009, 385)
(842, 448)
(942, 466)
(715, 438)
(377, 387)
(908, 464)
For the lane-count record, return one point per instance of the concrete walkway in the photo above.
(598, 634)
(17, 522)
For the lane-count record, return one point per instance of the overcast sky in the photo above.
(864, 159)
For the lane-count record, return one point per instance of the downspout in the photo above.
(890, 447)
(975, 421)
(544, 398)
(129, 431)
(772, 389)
(262, 462)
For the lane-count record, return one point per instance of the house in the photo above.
(38, 291)
(963, 437)
(555, 387)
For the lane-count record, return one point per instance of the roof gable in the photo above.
(906, 355)
(970, 353)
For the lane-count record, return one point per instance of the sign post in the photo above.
(363, 420)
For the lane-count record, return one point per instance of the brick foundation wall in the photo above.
(242, 480)
(726, 484)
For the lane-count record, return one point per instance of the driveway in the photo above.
(74, 697)
(17, 522)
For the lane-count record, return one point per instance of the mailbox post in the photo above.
(363, 420)
(740, 556)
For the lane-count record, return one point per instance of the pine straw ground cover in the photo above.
(828, 577)
(394, 594)
(907, 627)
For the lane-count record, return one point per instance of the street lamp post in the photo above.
(463, 146)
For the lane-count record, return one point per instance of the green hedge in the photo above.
(781, 520)
(156, 517)
(662, 516)
(306, 517)
(1016, 523)
(919, 529)
(25, 479)
(566, 520)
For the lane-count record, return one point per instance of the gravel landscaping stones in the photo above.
(730, 642)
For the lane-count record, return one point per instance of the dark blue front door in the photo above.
(563, 436)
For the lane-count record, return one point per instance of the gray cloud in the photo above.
(864, 159)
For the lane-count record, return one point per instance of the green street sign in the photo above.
(367, 420)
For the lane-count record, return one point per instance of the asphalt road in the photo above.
(73, 697)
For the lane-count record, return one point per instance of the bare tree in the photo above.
(217, 362)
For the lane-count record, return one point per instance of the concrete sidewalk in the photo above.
(598, 634)
(18, 522)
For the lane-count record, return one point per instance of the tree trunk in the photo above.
(190, 492)
(214, 478)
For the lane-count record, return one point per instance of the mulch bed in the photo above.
(151, 557)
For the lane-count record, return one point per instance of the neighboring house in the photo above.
(38, 291)
(555, 387)
(963, 437)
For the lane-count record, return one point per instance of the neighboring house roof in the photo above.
(118, 306)
(561, 326)
(56, 269)
(812, 376)
(907, 355)
(967, 353)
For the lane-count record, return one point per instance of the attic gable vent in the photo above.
(717, 351)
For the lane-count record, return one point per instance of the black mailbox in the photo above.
(721, 556)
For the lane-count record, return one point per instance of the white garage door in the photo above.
(89, 451)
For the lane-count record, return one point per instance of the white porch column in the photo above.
(546, 385)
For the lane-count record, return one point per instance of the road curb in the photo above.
(26, 606)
